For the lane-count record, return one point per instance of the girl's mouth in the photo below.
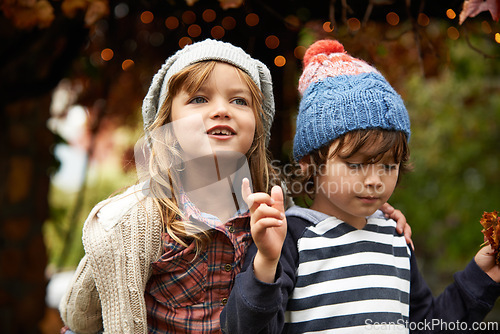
(221, 131)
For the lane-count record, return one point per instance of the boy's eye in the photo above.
(198, 99)
(390, 167)
(240, 101)
(353, 165)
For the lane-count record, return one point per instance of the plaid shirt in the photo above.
(186, 293)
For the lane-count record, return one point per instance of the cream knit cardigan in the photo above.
(121, 237)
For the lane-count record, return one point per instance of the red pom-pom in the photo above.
(325, 46)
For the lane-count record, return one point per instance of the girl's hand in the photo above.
(268, 228)
(402, 227)
(485, 259)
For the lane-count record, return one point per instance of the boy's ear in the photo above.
(304, 163)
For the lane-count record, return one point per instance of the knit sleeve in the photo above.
(80, 307)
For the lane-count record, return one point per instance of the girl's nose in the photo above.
(220, 110)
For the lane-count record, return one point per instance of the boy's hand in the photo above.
(402, 227)
(268, 228)
(485, 259)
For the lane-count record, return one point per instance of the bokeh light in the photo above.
(497, 38)
(172, 22)
(392, 18)
(107, 54)
(353, 24)
(188, 17)
(127, 64)
(252, 19)
(280, 61)
(121, 10)
(156, 38)
(209, 15)
(272, 42)
(485, 26)
(423, 20)
(185, 41)
(453, 33)
(194, 30)
(228, 23)
(299, 52)
(147, 17)
(450, 13)
(328, 26)
(293, 21)
(217, 32)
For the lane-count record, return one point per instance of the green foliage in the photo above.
(102, 183)
(455, 153)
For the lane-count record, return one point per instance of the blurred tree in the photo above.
(110, 50)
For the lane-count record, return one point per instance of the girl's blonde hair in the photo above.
(162, 167)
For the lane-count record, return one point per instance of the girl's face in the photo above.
(352, 189)
(218, 117)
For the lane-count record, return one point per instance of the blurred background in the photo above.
(73, 74)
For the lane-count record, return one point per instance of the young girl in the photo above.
(163, 256)
(340, 269)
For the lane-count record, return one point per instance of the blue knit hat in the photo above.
(341, 94)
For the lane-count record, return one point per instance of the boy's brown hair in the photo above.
(348, 145)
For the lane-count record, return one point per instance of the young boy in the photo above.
(341, 270)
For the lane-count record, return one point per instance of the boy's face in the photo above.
(353, 188)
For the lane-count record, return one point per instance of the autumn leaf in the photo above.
(473, 7)
(28, 14)
(96, 11)
(491, 231)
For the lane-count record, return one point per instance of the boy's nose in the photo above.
(372, 178)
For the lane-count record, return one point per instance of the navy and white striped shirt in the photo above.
(348, 280)
(332, 278)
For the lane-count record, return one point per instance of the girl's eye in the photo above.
(198, 99)
(240, 101)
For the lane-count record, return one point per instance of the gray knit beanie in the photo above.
(209, 50)
(340, 94)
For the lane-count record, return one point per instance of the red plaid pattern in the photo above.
(186, 293)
